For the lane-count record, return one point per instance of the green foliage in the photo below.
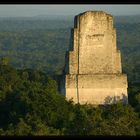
(41, 43)
(4, 61)
(33, 106)
(30, 103)
(35, 49)
(119, 120)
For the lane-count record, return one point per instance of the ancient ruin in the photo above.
(93, 72)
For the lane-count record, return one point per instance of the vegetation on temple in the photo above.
(30, 103)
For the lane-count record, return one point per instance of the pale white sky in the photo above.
(66, 9)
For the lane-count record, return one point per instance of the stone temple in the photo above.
(93, 72)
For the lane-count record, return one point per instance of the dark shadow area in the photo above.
(75, 21)
(115, 99)
(61, 78)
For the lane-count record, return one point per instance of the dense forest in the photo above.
(32, 52)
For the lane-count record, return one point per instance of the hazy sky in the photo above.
(33, 10)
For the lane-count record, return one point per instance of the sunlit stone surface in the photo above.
(93, 72)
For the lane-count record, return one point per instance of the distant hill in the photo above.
(41, 42)
(127, 19)
(51, 22)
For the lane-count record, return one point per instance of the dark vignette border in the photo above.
(69, 2)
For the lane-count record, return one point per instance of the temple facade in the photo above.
(93, 72)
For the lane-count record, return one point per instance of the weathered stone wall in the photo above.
(97, 40)
(102, 96)
(96, 81)
(94, 71)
